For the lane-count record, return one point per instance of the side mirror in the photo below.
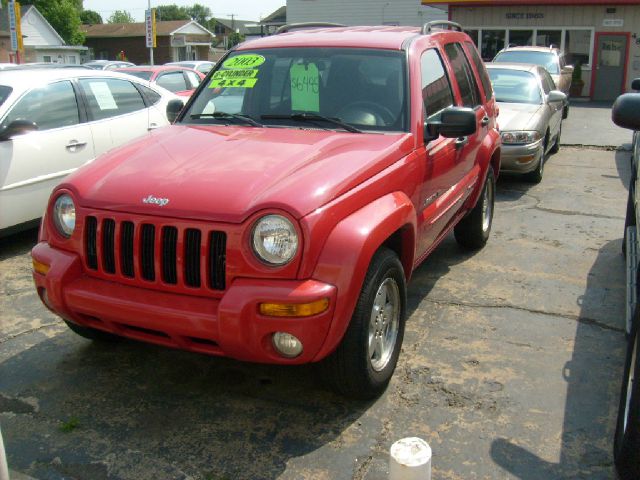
(17, 127)
(556, 96)
(567, 69)
(635, 84)
(626, 111)
(454, 122)
(174, 107)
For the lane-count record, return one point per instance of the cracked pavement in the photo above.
(510, 367)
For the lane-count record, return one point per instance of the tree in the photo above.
(90, 17)
(199, 13)
(234, 39)
(64, 17)
(171, 12)
(120, 16)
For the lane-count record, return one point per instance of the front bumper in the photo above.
(520, 158)
(229, 326)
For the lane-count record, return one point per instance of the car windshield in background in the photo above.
(364, 88)
(547, 60)
(4, 93)
(144, 75)
(515, 86)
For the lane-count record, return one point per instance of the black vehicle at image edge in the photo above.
(626, 449)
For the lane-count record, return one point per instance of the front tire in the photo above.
(362, 365)
(536, 175)
(626, 447)
(472, 231)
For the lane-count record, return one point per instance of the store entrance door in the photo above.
(611, 58)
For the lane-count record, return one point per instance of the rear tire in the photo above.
(626, 446)
(472, 232)
(362, 365)
(92, 333)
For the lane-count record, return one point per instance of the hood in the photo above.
(518, 116)
(223, 173)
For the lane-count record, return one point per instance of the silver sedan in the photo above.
(530, 117)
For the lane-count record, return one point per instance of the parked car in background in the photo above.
(107, 64)
(530, 116)
(284, 233)
(202, 66)
(550, 58)
(58, 120)
(179, 80)
(4, 66)
(626, 447)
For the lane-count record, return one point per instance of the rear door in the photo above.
(117, 112)
(33, 163)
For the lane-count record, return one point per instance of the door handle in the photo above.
(73, 144)
(153, 126)
(461, 142)
(484, 122)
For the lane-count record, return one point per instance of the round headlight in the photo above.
(64, 215)
(275, 240)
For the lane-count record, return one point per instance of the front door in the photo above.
(611, 57)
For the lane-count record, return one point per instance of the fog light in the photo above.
(526, 159)
(39, 267)
(294, 309)
(287, 345)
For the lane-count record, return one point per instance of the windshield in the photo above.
(547, 60)
(143, 74)
(362, 88)
(4, 93)
(515, 86)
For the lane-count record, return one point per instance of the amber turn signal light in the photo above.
(294, 309)
(39, 267)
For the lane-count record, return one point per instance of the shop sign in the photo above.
(524, 16)
(613, 22)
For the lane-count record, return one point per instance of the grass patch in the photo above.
(70, 425)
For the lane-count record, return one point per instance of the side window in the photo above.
(173, 81)
(436, 89)
(482, 71)
(152, 96)
(464, 75)
(109, 97)
(194, 79)
(547, 82)
(53, 106)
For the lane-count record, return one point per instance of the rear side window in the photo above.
(53, 106)
(194, 79)
(4, 93)
(109, 97)
(436, 89)
(464, 75)
(174, 82)
(151, 96)
(482, 71)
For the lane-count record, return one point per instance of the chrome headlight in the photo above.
(520, 137)
(274, 240)
(64, 215)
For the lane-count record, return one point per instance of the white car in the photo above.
(53, 121)
(202, 66)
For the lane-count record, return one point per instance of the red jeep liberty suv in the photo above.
(280, 217)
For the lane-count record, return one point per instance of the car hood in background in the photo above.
(226, 173)
(519, 116)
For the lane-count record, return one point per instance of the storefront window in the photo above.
(576, 46)
(547, 38)
(520, 38)
(474, 35)
(492, 43)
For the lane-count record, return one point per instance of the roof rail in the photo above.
(440, 24)
(300, 26)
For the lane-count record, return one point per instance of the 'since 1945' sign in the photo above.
(524, 16)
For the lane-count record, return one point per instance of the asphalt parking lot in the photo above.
(510, 367)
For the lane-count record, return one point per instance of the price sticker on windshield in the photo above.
(244, 61)
(305, 87)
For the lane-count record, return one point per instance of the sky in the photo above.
(242, 9)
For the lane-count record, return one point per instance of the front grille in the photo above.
(140, 250)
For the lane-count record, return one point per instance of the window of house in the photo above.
(474, 36)
(577, 47)
(492, 43)
(520, 38)
(548, 38)
(46, 58)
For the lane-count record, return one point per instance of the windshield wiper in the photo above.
(235, 116)
(313, 117)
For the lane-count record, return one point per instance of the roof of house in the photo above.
(279, 16)
(133, 29)
(235, 24)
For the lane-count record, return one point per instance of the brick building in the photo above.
(176, 40)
